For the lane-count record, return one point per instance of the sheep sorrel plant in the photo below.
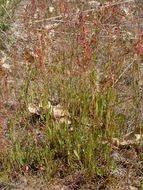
(80, 90)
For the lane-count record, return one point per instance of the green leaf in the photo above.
(120, 116)
(100, 172)
(93, 74)
(141, 186)
(19, 154)
(75, 152)
(101, 106)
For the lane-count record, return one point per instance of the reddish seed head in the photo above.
(71, 129)
(60, 169)
(27, 168)
(115, 148)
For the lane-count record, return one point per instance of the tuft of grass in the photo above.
(6, 17)
(6, 13)
(83, 61)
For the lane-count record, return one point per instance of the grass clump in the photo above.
(6, 13)
(79, 60)
(6, 17)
